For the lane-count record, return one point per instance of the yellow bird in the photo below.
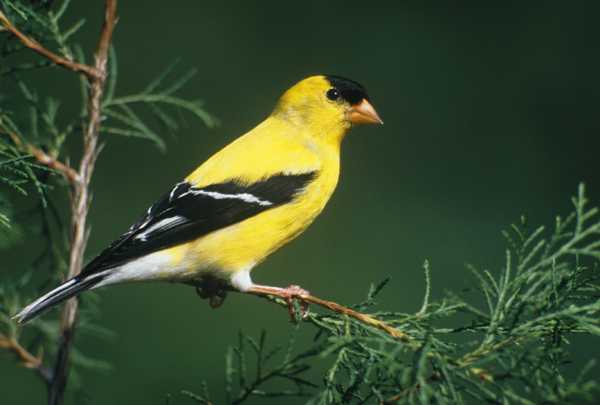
(246, 201)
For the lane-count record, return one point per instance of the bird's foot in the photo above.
(215, 296)
(289, 294)
(215, 301)
(295, 291)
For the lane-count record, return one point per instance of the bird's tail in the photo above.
(64, 291)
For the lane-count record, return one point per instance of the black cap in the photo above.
(350, 90)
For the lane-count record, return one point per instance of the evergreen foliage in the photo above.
(33, 135)
(509, 344)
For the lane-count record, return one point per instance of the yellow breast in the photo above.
(273, 147)
(251, 241)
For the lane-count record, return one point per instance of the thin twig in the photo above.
(80, 202)
(364, 318)
(407, 391)
(335, 307)
(89, 71)
(43, 158)
(367, 320)
(27, 359)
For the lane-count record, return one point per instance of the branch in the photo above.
(89, 71)
(335, 307)
(27, 359)
(80, 202)
(43, 158)
(404, 393)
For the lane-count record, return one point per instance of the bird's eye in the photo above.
(333, 94)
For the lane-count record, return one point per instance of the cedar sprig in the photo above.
(509, 342)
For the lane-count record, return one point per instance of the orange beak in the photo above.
(363, 113)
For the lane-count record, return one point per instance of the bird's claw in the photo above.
(216, 300)
(295, 291)
(215, 297)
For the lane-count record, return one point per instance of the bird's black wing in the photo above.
(188, 212)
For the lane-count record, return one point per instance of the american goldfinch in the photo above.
(246, 201)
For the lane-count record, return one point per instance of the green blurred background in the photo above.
(490, 112)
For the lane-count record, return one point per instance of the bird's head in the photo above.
(327, 103)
